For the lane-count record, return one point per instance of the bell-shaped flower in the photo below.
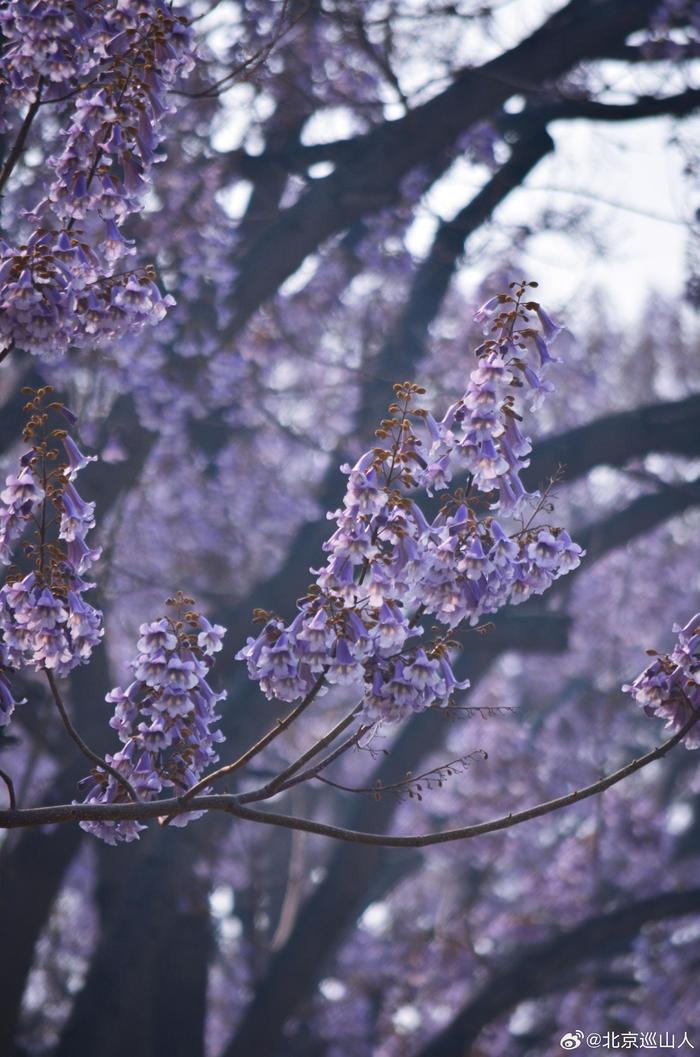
(344, 668)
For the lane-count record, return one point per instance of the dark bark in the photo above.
(102, 1021)
(33, 866)
(30, 876)
(613, 440)
(36, 862)
(179, 985)
(639, 517)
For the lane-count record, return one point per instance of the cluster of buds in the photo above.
(44, 620)
(111, 143)
(480, 432)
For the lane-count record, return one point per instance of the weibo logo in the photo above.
(572, 1040)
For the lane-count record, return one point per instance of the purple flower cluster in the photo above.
(53, 50)
(54, 293)
(46, 47)
(480, 432)
(470, 569)
(115, 62)
(388, 565)
(111, 144)
(347, 647)
(164, 718)
(670, 686)
(44, 620)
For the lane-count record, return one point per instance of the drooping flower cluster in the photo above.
(44, 620)
(114, 63)
(57, 292)
(45, 47)
(164, 718)
(388, 566)
(115, 131)
(482, 429)
(670, 686)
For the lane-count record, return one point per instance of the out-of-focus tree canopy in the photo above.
(305, 202)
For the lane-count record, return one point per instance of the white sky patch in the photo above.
(523, 1018)
(375, 919)
(632, 182)
(406, 1019)
(332, 990)
(221, 901)
(679, 818)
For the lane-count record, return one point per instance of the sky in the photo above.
(639, 207)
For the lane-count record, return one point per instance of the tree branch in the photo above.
(10, 789)
(280, 781)
(230, 768)
(84, 748)
(62, 813)
(612, 440)
(370, 179)
(646, 106)
(545, 966)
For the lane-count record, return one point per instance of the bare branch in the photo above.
(280, 781)
(252, 63)
(10, 789)
(249, 754)
(340, 750)
(18, 146)
(412, 783)
(84, 748)
(41, 816)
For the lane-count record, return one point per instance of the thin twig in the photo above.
(69, 95)
(280, 780)
(241, 761)
(85, 749)
(18, 146)
(432, 776)
(10, 789)
(312, 772)
(253, 62)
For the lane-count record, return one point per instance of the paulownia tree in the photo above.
(224, 359)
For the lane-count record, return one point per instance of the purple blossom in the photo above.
(386, 559)
(44, 620)
(76, 460)
(210, 638)
(670, 686)
(165, 720)
(115, 64)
